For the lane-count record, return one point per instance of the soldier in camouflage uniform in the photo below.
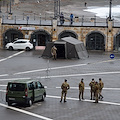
(92, 89)
(53, 52)
(101, 85)
(65, 86)
(96, 92)
(81, 89)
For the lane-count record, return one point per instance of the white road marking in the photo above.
(54, 68)
(12, 56)
(12, 79)
(88, 88)
(3, 85)
(4, 75)
(61, 67)
(87, 74)
(25, 112)
(86, 100)
(3, 91)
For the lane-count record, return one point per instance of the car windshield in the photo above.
(16, 87)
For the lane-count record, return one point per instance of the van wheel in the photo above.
(43, 97)
(9, 103)
(30, 103)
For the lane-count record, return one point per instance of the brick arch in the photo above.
(10, 35)
(116, 43)
(40, 37)
(67, 33)
(95, 40)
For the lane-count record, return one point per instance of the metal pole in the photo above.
(40, 18)
(94, 20)
(10, 7)
(0, 7)
(59, 7)
(55, 9)
(110, 9)
(34, 16)
(15, 19)
(82, 20)
(7, 8)
(23, 16)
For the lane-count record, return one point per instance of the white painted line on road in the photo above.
(75, 75)
(54, 68)
(88, 88)
(25, 112)
(3, 75)
(3, 85)
(39, 70)
(61, 67)
(3, 91)
(12, 56)
(12, 79)
(86, 100)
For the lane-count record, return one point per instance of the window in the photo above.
(36, 85)
(16, 87)
(30, 86)
(23, 41)
(17, 42)
(39, 85)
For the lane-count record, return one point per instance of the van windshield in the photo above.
(16, 87)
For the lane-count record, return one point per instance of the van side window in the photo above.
(39, 85)
(36, 85)
(30, 86)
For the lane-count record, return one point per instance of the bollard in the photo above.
(82, 20)
(48, 69)
(15, 19)
(2, 18)
(34, 16)
(27, 19)
(23, 16)
(40, 20)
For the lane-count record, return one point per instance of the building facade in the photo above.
(94, 37)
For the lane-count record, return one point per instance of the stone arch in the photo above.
(95, 41)
(67, 33)
(40, 37)
(11, 35)
(116, 44)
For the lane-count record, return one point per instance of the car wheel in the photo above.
(30, 103)
(43, 97)
(27, 49)
(10, 48)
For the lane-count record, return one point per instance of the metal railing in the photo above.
(47, 20)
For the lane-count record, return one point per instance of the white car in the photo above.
(19, 44)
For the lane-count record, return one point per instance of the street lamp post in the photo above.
(110, 9)
(0, 6)
(56, 8)
(10, 7)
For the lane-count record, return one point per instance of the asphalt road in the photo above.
(30, 64)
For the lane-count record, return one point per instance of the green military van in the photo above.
(25, 91)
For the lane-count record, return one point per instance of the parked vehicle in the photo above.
(26, 92)
(20, 44)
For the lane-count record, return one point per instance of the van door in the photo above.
(16, 91)
(36, 92)
(41, 90)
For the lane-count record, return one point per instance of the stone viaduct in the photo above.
(94, 37)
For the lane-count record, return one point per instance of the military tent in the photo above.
(67, 47)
